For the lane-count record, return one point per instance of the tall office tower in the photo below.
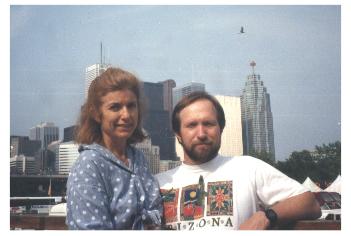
(67, 155)
(168, 86)
(68, 133)
(156, 120)
(46, 132)
(151, 153)
(186, 89)
(91, 72)
(232, 142)
(257, 119)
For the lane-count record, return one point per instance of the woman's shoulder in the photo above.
(90, 153)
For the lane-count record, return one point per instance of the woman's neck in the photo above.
(118, 148)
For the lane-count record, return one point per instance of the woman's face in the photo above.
(119, 115)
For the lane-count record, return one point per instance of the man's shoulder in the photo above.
(167, 176)
(167, 173)
(236, 160)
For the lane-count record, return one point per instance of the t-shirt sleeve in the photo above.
(274, 186)
(87, 200)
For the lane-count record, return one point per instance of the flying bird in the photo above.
(241, 30)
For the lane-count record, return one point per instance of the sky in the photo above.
(297, 50)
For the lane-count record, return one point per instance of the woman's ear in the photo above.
(96, 116)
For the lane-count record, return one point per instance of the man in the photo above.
(211, 191)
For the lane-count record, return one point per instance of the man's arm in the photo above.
(300, 207)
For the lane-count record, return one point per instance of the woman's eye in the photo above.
(115, 107)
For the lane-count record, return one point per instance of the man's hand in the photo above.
(257, 221)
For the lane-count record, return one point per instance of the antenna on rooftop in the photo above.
(100, 52)
(253, 64)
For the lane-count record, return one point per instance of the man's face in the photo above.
(199, 134)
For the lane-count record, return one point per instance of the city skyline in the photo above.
(297, 50)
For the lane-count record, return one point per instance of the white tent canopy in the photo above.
(335, 186)
(58, 210)
(311, 185)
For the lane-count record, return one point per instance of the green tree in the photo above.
(328, 162)
(299, 166)
(322, 165)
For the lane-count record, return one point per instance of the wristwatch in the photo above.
(271, 216)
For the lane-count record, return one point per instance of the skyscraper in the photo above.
(231, 140)
(156, 120)
(67, 155)
(257, 119)
(168, 86)
(68, 133)
(46, 132)
(186, 89)
(91, 72)
(151, 153)
(22, 145)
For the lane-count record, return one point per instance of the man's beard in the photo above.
(204, 156)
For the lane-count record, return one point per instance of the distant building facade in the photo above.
(67, 155)
(68, 133)
(156, 120)
(168, 86)
(23, 145)
(257, 118)
(46, 132)
(231, 142)
(93, 71)
(151, 153)
(23, 165)
(186, 89)
(168, 165)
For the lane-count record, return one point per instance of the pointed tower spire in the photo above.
(100, 52)
(253, 64)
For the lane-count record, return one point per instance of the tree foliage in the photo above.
(322, 165)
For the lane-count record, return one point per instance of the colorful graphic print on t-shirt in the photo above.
(170, 204)
(219, 198)
(192, 201)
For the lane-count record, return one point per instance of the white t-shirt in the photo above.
(231, 190)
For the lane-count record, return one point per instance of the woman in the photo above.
(110, 186)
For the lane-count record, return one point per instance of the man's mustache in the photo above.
(202, 143)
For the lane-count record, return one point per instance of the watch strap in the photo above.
(271, 216)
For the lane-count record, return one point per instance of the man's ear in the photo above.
(179, 139)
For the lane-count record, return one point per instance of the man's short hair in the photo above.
(191, 98)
